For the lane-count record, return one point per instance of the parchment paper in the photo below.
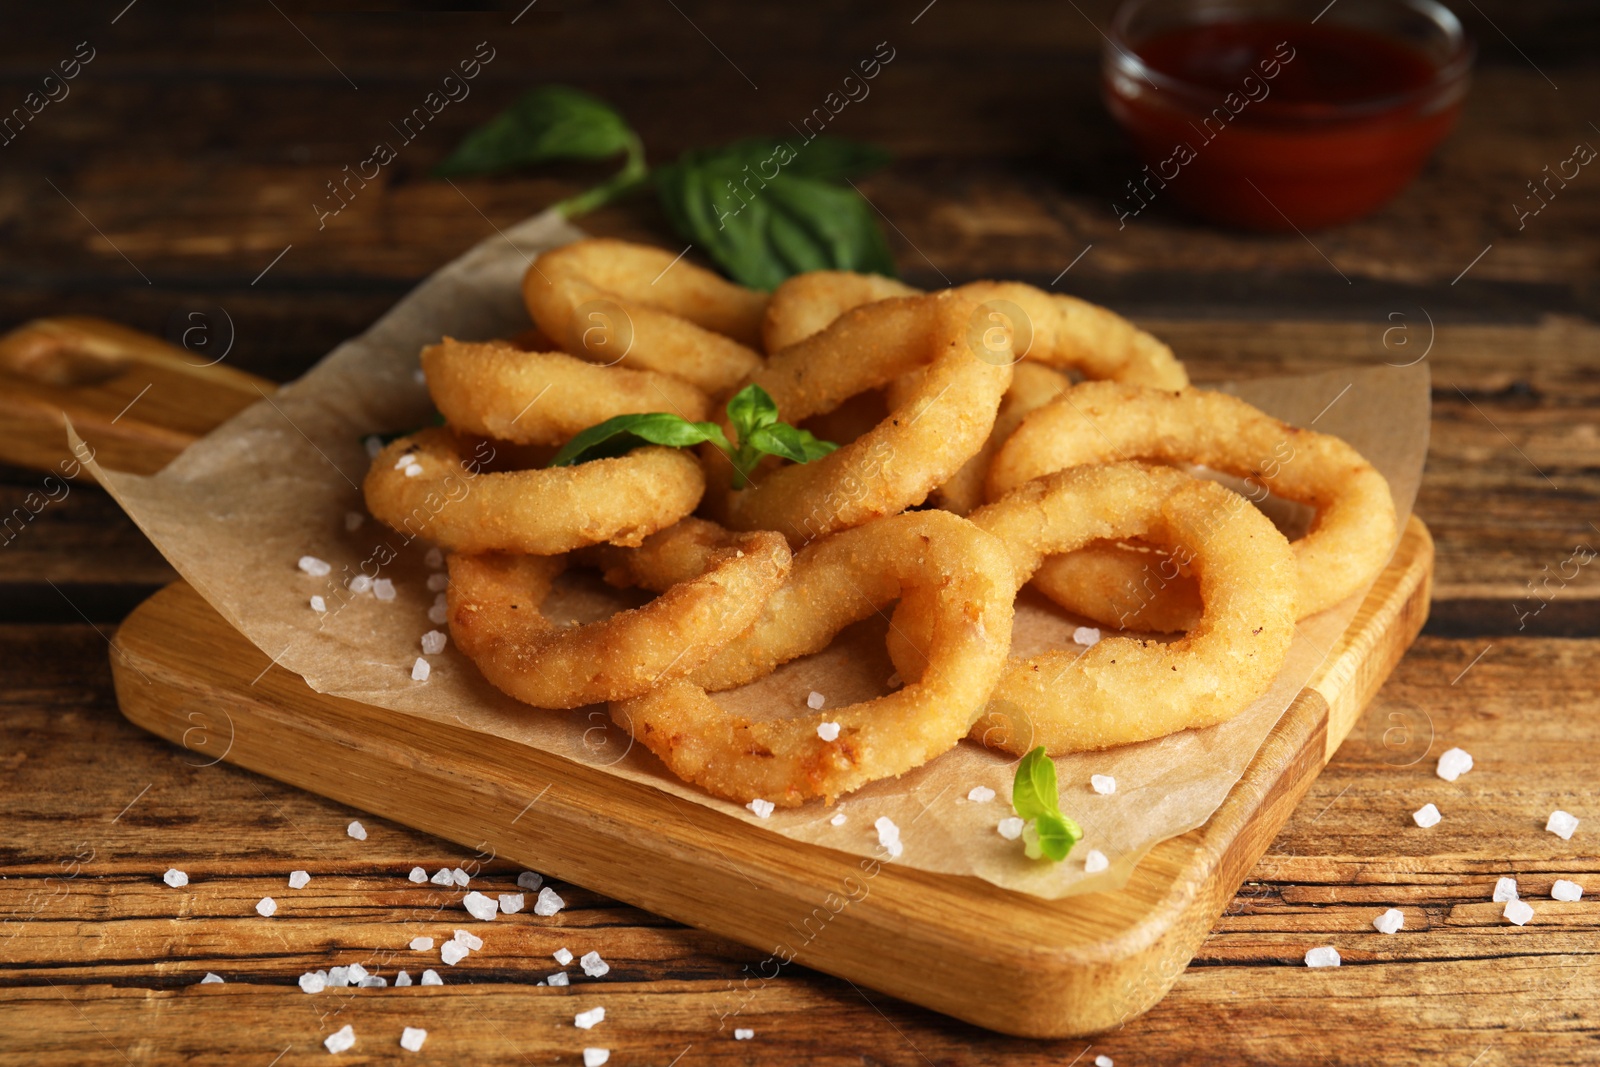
(236, 511)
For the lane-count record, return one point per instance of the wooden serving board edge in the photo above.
(960, 946)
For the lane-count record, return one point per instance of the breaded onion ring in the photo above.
(1122, 689)
(495, 620)
(1354, 530)
(807, 304)
(452, 501)
(608, 300)
(965, 578)
(922, 442)
(543, 398)
(1094, 582)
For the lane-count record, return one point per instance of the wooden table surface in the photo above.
(178, 176)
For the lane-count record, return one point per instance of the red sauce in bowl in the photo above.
(1275, 124)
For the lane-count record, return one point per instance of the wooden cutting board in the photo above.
(957, 945)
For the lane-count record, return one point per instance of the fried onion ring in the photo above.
(965, 577)
(607, 300)
(543, 398)
(454, 502)
(1354, 530)
(1095, 582)
(495, 620)
(1123, 689)
(807, 304)
(922, 442)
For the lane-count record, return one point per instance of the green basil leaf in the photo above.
(1033, 791)
(780, 439)
(548, 123)
(829, 159)
(812, 447)
(750, 409)
(623, 433)
(1056, 835)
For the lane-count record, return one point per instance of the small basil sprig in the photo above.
(752, 412)
(762, 209)
(1047, 833)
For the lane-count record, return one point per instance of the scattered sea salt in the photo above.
(894, 681)
(1505, 889)
(341, 1039)
(431, 977)
(411, 1038)
(405, 460)
(837, 820)
(438, 583)
(1104, 1061)
(815, 700)
(828, 731)
(439, 613)
(980, 794)
(453, 952)
(420, 670)
(1565, 890)
(586, 1020)
(549, 902)
(743, 1033)
(402, 979)
(373, 445)
(511, 903)
(1323, 956)
(353, 520)
(359, 584)
(762, 808)
(317, 568)
(299, 879)
(459, 877)
(529, 880)
(1103, 784)
(433, 642)
(593, 965)
(595, 1057)
(1389, 921)
(559, 978)
(1087, 636)
(434, 558)
(383, 589)
(480, 907)
(319, 605)
(1453, 764)
(266, 907)
(471, 940)
(373, 981)
(313, 981)
(441, 876)
(356, 972)
(421, 944)
(1426, 816)
(1011, 828)
(888, 835)
(418, 875)
(338, 977)
(413, 469)
(175, 878)
(1095, 861)
(562, 956)
(356, 830)
(211, 979)
(1561, 824)
(1518, 911)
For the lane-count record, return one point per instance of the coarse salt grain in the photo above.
(1011, 828)
(418, 875)
(438, 583)
(762, 808)
(1504, 889)
(1095, 861)
(413, 469)
(434, 558)
(459, 877)
(433, 642)
(888, 835)
(472, 941)
(421, 944)
(299, 879)
(1323, 956)
(562, 956)
(338, 977)
(453, 952)
(1453, 764)
(211, 979)
(1389, 921)
(511, 903)
(313, 982)
(549, 902)
(837, 820)
(317, 568)
(356, 972)
(1103, 784)
(439, 614)
(373, 444)
(359, 584)
(1103, 1061)
(559, 978)
(980, 794)
(1561, 824)
(353, 520)
(593, 965)
(373, 981)
(441, 876)
(743, 1033)
(405, 460)
(815, 700)
(402, 979)
(1426, 816)
(319, 605)
(175, 878)
(1565, 890)
(420, 670)
(586, 1020)
(480, 907)
(431, 977)
(1518, 911)
(383, 589)
(266, 907)
(411, 1038)
(340, 1039)
(828, 731)
(1087, 636)
(529, 880)
(595, 1057)
(356, 830)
